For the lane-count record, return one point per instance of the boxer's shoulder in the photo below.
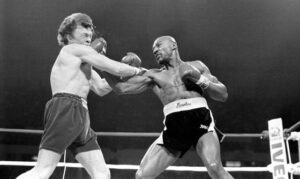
(199, 65)
(77, 49)
(195, 63)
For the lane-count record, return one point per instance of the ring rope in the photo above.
(293, 168)
(135, 167)
(127, 134)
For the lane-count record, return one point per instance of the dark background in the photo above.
(252, 46)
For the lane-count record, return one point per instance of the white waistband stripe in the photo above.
(184, 105)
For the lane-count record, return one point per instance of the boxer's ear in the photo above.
(69, 37)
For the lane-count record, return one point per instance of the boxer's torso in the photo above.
(169, 86)
(70, 75)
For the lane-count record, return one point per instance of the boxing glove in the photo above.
(132, 59)
(189, 73)
(100, 45)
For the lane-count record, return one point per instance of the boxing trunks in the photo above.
(67, 125)
(186, 120)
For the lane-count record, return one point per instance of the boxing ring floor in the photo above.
(121, 164)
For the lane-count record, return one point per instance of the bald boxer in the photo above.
(188, 120)
(66, 117)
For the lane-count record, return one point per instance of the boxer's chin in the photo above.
(162, 61)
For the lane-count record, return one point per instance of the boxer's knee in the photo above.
(26, 175)
(35, 174)
(215, 169)
(101, 174)
(140, 174)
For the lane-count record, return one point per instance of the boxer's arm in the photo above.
(216, 90)
(133, 85)
(88, 55)
(99, 85)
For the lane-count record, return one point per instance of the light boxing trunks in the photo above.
(67, 125)
(186, 120)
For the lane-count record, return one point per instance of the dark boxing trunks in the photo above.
(67, 125)
(185, 122)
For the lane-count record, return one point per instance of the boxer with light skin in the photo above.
(66, 117)
(188, 120)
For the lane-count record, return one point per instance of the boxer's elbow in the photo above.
(219, 95)
(102, 92)
(224, 95)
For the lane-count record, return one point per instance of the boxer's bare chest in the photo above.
(169, 86)
(168, 82)
(166, 79)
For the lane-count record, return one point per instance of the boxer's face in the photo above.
(162, 50)
(81, 35)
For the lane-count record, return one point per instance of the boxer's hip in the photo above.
(72, 98)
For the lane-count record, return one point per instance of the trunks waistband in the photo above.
(184, 105)
(73, 96)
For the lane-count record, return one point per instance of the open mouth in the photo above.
(157, 56)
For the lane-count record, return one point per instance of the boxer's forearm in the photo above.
(99, 85)
(134, 85)
(115, 82)
(112, 80)
(103, 63)
(217, 91)
(101, 91)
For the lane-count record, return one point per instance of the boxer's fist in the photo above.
(188, 73)
(132, 59)
(100, 45)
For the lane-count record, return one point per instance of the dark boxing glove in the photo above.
(189, 73)
(100, 45)
(132, 59)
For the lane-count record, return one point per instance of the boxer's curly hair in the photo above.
(68, 25)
